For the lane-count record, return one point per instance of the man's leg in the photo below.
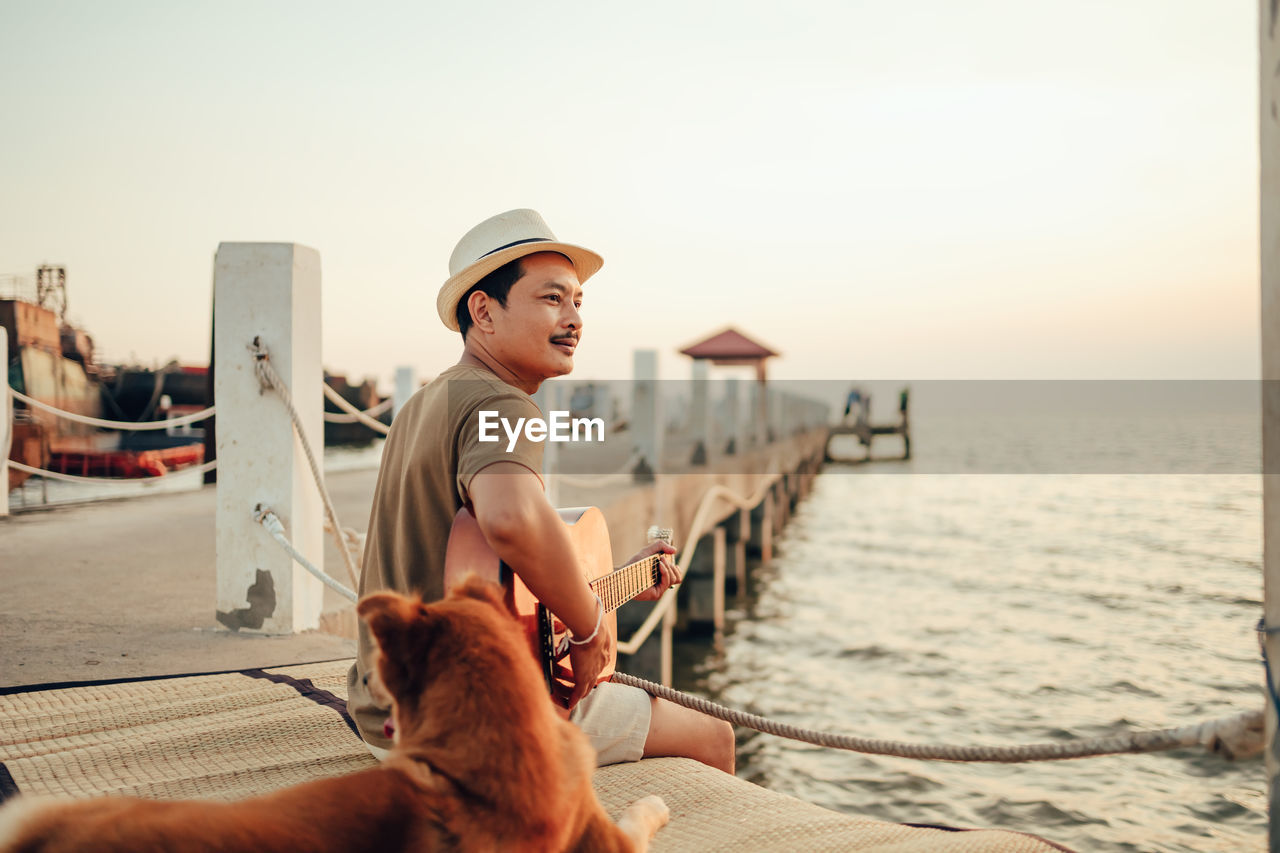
(676, 731)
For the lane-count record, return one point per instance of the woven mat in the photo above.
(233, 735)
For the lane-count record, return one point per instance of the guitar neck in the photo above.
(620, 586)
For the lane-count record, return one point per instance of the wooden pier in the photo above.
(857, 422)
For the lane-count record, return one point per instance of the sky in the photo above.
(927, 190)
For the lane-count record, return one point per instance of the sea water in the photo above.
(985, 608)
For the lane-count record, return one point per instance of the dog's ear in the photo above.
(403, 629)
(387, 611)
(481, 590)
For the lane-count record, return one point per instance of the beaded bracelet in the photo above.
(599, 622)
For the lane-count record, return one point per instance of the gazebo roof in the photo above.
(729, 345)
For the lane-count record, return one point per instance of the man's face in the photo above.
(538, 330)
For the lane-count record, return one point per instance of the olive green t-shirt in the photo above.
(430, 455)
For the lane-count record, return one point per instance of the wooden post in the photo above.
(269, 291)
(6, 425)
(1269, 147)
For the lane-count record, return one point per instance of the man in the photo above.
(514, 293)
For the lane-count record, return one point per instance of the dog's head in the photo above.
(438, 656)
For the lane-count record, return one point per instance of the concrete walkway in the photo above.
(125, 589)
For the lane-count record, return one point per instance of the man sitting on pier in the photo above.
(514, 293)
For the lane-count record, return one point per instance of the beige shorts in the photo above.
(614, 717)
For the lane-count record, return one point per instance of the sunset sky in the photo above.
(982, 190)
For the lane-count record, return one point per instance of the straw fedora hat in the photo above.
(496, 241)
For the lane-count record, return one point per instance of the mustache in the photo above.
(571, 337)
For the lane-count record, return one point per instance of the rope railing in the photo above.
(121, 425)
(1233, 737)
(354, 415)
(73, 478)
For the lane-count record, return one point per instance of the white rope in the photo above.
(122, 425)
(269, 379)
(1236, 736)
(72, 478)
(700, 521)
(336, 418)
(268, 519)
(353, 414)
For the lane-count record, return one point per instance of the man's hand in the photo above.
(670, 573)
(588, 660)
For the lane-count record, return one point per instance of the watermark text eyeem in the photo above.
(560, 427)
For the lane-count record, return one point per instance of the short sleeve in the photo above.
(495, 431)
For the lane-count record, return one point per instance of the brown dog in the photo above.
(481, 762)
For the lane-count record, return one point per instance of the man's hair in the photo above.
(496, 284)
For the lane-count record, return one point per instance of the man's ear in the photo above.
(480, 304)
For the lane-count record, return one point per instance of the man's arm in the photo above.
(527, 534)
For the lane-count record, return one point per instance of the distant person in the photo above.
(514, 293)
(854, 400)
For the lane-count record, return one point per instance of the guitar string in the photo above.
(619, 587)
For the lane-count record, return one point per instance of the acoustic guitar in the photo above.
(469, 553)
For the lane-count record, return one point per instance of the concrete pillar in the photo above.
(646, 414)
(739, 550)
(268, 291)
(735, 424)
(755, 406)
(667, 648)
(737, 529)
(1269, 139)
(781, 505)
(406, 385)
(550, 397)
(6, 425)
(652, 661)
(699, 422)
(704, 585)
(761, 541)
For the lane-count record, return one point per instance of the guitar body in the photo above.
(469, 553)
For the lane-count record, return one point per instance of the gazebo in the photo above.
(731, 348)
(728, 348)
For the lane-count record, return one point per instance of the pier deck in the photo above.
(125, 589)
